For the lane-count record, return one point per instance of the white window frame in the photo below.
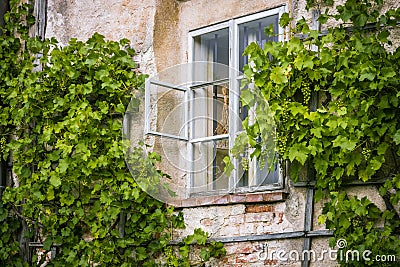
(234, 78)
(234, 101)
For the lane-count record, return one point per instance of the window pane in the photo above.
(166, 113)
(175, 162)
(208, 172)
(253, 31)
(258, 175)
(212, 47)
(210, 111)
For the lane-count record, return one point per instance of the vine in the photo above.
(61, 112)
(334, 97)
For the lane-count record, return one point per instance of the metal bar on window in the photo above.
(167, 135)
(209, 138)
(205, 84)
(168, 85)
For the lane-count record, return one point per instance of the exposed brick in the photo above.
(221, 200)
(207, 222)
(189, 202)
(270, 262)
(274, 196)
(258, 217)
(254, 198)
(204, 201)
(247, 250)
(227, 199)
(252, 258)
(237, 198)
(175, 202)
(280, 217)
(259, 208)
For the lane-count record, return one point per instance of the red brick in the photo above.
(175, 202)
(207, 222)
(246, 250)
(274, 196)
(259, 217)
(270, 262)
(259, 208)
(221, 200)
(280, 217)
(253, 258)
(254, 198)
(203, 201)
(189, 202)
(237, 198)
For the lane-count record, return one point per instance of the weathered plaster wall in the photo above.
(174, 19)
(115, 20)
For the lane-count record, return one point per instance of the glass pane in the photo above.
(167, 111)
(257, 175)
(174, 162)
(267, 176)
(208, 172)
(213, 47)
(253, 31)
(210, 111)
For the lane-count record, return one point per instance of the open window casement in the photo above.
(196, 113)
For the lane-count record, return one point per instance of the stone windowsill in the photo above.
(230, 199)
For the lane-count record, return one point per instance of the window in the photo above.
(205, 113)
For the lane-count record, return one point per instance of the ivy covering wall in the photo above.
(61, 111)
(334, 97)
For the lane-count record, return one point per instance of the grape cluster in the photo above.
(170, 256)
(305, 89)
(245, 163)
(263, 157)
(281, 141)
(356, 222)
(366, 153)
(2, 144)
(285, 113)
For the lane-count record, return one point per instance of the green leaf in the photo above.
(299, 152)
(396, 137)
(344, 143)
(370, 76)
(278, 75)
(55, 180)
(360, 20)
(284, 20)
(321, 219)
(229, 167)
